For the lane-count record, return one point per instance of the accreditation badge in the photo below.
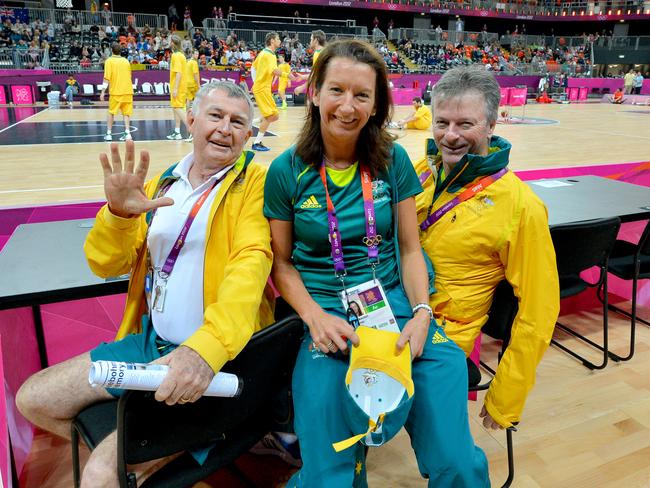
(369, 303)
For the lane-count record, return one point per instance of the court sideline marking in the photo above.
(616, 133)
(50, 189)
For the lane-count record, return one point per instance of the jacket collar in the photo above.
(471, 166)
(168, 177)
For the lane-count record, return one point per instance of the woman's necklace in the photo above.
(339, 166)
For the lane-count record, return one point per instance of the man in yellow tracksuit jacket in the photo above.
(238, 267)
(499, 233)
(197, 246)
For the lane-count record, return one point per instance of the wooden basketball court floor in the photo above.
(52, 156)
(579, 428)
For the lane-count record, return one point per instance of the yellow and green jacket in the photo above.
(237, 263)
(501, 233)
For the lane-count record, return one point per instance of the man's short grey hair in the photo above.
(231, 89)
(458, 81)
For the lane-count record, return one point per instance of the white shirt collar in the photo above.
(182, 169)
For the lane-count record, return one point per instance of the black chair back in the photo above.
(148, 429)
(502, 313)
(583, 245)
(644, 241)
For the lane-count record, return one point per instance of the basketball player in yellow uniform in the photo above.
(419, 119)
(317, 43)
(283, 82)
(177, 87)
(117, 78)
(266, 67)
(193, 81)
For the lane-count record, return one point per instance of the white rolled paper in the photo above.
(148, 377)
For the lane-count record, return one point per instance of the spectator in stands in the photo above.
(130, 24)
(296, 17)
(71, 89)
(419, 119)
(177, 87)
(49, 30)
(295, 56)
(343, 153)
(438, 31)
(197, 38)
(106, 13)
(5, 39)
(166, 42)
(157, 42)
(75, 50)
(460, 28)
(638, 83)
(501, 233)
(210, 312)
(111, 31)
(266, 67)
(617, 98)
(188, 26)
(117, 79)
(186, 44)
(172, 15)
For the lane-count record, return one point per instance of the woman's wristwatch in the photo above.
(423, 306)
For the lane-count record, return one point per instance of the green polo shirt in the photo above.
(294, 192)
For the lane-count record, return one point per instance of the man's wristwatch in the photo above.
(423, 306)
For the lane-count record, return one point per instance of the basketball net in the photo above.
(64, 3)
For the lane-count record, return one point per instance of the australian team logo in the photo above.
(380, 191)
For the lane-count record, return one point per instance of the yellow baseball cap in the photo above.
(378, 388)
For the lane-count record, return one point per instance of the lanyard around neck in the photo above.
(466, 195)
(180, 240)
(371, 240)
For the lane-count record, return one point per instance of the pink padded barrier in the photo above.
(573, 93)
(518, 96)
(505, 96)
(582, 95)
(22, 94)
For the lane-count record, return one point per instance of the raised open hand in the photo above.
(124, 186)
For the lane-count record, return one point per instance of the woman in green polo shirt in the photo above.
(335, 202)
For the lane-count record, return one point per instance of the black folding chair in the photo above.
(498, 326)
(147, 429)
(630, 261)
(579, 247)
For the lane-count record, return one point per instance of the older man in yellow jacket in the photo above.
(480, 224)
(197, 246)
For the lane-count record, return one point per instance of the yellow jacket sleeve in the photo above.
(529, 260)
(113, 244)
(231, 320)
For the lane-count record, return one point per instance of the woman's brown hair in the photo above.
(375, 142)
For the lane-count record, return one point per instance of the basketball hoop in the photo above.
(64, 3)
